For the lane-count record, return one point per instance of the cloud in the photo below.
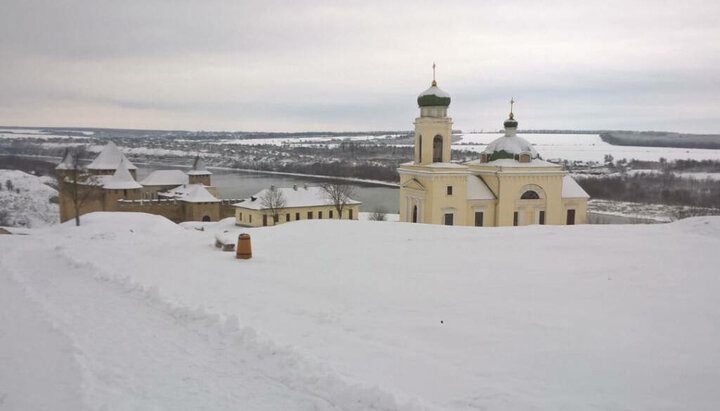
(270, 65)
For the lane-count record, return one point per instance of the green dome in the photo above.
(433, 96)
(511, 122)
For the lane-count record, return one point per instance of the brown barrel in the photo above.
(243, 247)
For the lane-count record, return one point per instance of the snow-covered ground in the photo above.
(130, 311)
(28, 203)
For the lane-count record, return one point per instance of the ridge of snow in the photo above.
(434, 91)
(191, 193)
(301, 197)
(31, 206)
(122, 179)
(514, 145)
(571, 189)
(165, 178)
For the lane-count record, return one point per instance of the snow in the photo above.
(514, 145)
(31, 206)
(355, 315)
(165, 178)
(191, 193)
(434, 91)
(508, 162)
(109, 159)
(571, 189)
(122, 179)
(299, 196)
(477, 189)
(198, 168)
(67, 162)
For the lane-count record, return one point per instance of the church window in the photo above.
(420, 151)
(449, 217)
(415, 214)
(479, 218)
(449, 190)
(530, 195)
(515, 218)
(541, 217)
(437, 149)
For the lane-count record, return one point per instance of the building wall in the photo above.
(199, 211)
(254, 218)
(512, 186)
(199, 179)
(171, 209)
(426, 128)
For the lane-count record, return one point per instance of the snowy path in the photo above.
(133, 352)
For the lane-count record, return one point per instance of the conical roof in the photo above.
(122, 179)
(110, 158)
(198, 168)
(67, 162)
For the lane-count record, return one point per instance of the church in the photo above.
(509, 185)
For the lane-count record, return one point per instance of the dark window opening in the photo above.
(515, 218)
(287, 217)
(206, 218)
(530, 195)
(420, 151)
(570, 217)
(541, 217)
(437, 149)
(264, 220)
(320, 215)
(309, 215)
(449, 190)
(350, 214)
(415, 215)
(297, 216)
(479, 218)
(331, 213)
(449, 217)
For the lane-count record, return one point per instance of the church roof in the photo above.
(434, 96)
(478, 190)
(511, 145)
(109, 159)
(122, 179)
(294, 197)
(165, 178)
(571, 189)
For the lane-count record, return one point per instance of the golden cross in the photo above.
(512, 101)
(433, 71)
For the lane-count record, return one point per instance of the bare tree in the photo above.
(76, 181)
(273, 200)
(339, 194)
(378, 215)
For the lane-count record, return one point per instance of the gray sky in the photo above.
(306, 65)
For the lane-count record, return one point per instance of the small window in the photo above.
(297, 216)
(331, 213)
(515, 218)
(264, 220)
(250, 218)
(449, 217)
(449, 190)
(530, 195)
(350, 214)
(479, 218)
(320, 215)
(309, 215)
(240, 216)
(287, 217)
(541, 217)
(125, 193)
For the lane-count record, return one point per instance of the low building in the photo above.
(298, 203)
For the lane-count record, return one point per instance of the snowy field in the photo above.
(588, 147)
(132, 312)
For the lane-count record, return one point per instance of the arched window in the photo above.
(437, 149)
(206, 218)
(415, 215)
(530, 195)
(420, 151)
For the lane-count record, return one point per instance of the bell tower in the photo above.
(433, 129)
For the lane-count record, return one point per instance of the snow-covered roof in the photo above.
(508, 162)
(109, 159)
(191, 193)
(198, 168)
(443, 165)
(571, 189)
(122, 179)
(165, 178)
(434, 91)
(478, 190)
(511, 144)
(297, 196)
(67, 161)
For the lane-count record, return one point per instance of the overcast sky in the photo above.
(306, 65)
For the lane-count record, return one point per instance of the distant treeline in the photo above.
(661, 139)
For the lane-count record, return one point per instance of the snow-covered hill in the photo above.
(130, 311)
(26, 203)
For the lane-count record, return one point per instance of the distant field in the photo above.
(661, 139)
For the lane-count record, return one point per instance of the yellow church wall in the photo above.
(580, 207)
(488, 209)
(512, 187)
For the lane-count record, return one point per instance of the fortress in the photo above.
(109, 184)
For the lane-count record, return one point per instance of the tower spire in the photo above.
(512, 101)
(434, 83)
